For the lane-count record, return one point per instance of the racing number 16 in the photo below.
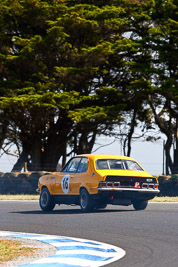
(66, 183)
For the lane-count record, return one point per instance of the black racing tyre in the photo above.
(140, 204)
(86, 202)
(46, 201)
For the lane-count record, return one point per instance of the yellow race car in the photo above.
(93, 181)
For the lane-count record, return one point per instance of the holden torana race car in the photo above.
(93, 181)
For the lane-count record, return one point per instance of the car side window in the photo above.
(83, 165)
(73, 165)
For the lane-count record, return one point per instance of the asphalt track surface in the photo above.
(149, 237)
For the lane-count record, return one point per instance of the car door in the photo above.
(79, 176)
(66, 183)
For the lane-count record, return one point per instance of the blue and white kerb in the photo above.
(72, 252)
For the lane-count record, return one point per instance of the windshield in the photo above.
(117, 164)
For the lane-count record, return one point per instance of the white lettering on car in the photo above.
(65, 183)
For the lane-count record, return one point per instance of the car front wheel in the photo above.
(85, 201)
(140, 204)
(46, 201)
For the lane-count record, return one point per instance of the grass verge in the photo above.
(19, 197)
(164, 199)
(10, 250)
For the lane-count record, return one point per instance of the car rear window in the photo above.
(117, 164)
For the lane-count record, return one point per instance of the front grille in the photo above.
(129, 181)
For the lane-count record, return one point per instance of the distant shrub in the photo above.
(24, 176)
(10, 174)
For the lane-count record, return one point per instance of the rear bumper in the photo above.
(126, 189)
(126, 194)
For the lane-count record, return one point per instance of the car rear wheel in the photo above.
(140, 204)
(46, 201)
(85, 201)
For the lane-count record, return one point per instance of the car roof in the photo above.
(104, 156)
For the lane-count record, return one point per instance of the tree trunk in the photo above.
(18, 166)
(3, 132)
(36, 154)
(168, 157)
(130, 134)
(86, 143)
(167, 130)
(175, 164)
(55, 148)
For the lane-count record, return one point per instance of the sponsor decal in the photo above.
(52, 178)
(137, 184)
(149, 180)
